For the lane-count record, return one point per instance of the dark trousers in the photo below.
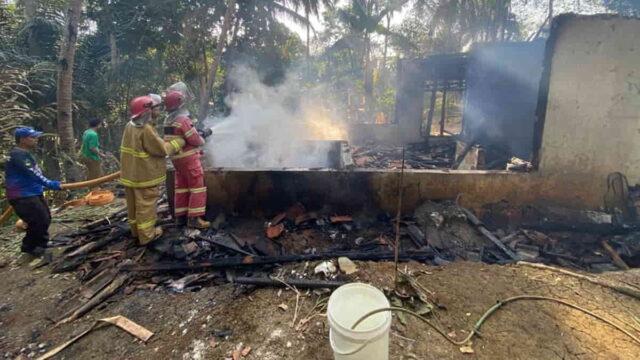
(33, 210)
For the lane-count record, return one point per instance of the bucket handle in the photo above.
(347, 353)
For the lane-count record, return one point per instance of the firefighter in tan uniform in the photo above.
(142, 159)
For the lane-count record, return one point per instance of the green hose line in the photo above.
(490, 311)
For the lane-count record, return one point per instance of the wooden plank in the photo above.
(488, 234)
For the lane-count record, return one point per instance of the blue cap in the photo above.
(26, 132)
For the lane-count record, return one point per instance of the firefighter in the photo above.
(142, 159)
(190, 194)
(155, 111)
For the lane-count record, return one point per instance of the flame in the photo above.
(321, 124)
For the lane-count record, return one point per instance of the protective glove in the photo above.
(205, 133)
(56, 185)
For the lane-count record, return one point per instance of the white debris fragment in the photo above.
(277, 333)
(325, 267)
(198, 351)
(346, 265)
(437, 219)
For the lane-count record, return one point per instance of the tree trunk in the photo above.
(113, 47)
(203, 77)
(30, 9)
(222, 40)
(368, 71)
(368, 79)
(65, 87)
(50, 157)
(386, 42)
(306, 10)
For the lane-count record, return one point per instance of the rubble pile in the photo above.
(249, 252)
(437, 154)
(586, 240)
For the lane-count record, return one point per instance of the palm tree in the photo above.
(65, 84)
(467, 21)
(310, 7)
(213, 69)
(269, 9)
(364, 18)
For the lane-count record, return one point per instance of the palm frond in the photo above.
(292, 15)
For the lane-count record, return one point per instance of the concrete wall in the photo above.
(502, 93)
(264, 192)
(592, 121)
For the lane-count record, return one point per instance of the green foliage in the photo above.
(27, 83)
(459, 23)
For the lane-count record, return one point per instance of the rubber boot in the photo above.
(198, 223)
(47, 258)
(158, 233)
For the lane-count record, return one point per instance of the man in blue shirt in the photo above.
(25, 184)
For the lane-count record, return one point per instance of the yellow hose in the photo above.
(91, 183)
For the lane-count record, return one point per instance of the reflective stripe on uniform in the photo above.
(130, 151)
(180, 210)
(182, 191)
(198, 190)
(190, 132)
(197, 209)
(176, 124)
(130, 183)
(146, 224)
(175, 144)
(180, 155)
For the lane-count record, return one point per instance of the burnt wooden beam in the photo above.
(593, 228)
(488, 234)
(416, 235)
(444, 107)
(248, 261)
(462, 155)
(432, 105)
(299, 283)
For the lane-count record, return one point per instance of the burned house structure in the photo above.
(570, 106)
(500, 87)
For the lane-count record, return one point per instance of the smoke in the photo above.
(272, 127)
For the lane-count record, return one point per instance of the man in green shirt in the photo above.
(90, 152)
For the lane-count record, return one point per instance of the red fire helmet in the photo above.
(173, 99)
(140, 105)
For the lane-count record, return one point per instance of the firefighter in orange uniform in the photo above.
(190, 192)
(142, 160)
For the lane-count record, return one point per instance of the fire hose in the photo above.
(91, 183)
(476, 328)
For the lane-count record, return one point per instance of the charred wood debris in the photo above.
(417, 156)
(107, 260)
(438, 153)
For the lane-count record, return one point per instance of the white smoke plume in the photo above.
(271, 127)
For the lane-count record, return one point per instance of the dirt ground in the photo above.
(191, 325)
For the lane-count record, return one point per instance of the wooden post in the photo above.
(432, 104)
(444, 107)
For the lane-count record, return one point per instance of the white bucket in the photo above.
(370, 339)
